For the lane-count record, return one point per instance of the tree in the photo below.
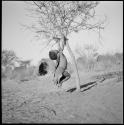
(8, 58)
(89, 53)
(25, 63)
(8, 62)
(57, 19)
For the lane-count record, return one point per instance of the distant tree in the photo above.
(119, 57)
(8, 58)
(89, 54)
(55, 20)
(25, 63)
(8, 62)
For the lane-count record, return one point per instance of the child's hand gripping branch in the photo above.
(60, 74)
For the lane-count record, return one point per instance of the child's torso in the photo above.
(62, 61)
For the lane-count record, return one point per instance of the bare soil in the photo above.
(40, 101)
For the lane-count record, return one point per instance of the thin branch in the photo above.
(58, 18)
(37, 5)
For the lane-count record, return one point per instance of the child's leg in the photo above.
(64, 78)
(58, 74)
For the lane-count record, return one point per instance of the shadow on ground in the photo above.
(100, 79)
(90, 84)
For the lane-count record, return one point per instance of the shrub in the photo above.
(88, 55)
(23, 73)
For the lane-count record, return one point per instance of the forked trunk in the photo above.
(75, 66)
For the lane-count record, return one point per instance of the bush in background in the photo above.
(103, 62)
(88, 56)
(90, 60)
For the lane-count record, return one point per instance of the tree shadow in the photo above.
(90, 84)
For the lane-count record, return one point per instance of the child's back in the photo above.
(62, 60)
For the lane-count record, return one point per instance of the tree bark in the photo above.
(75, 66)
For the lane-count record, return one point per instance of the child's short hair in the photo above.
(53, 54)
(43, 68)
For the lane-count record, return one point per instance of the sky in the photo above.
(16, 38)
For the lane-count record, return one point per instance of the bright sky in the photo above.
(14, 36)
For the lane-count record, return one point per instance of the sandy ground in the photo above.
(39, 101)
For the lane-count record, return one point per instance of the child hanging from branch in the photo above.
(60, 74)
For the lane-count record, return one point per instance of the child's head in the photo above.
(43, 67)
(53, 54)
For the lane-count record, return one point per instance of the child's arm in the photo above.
(56, 66)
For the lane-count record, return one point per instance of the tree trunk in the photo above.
(75, 66)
